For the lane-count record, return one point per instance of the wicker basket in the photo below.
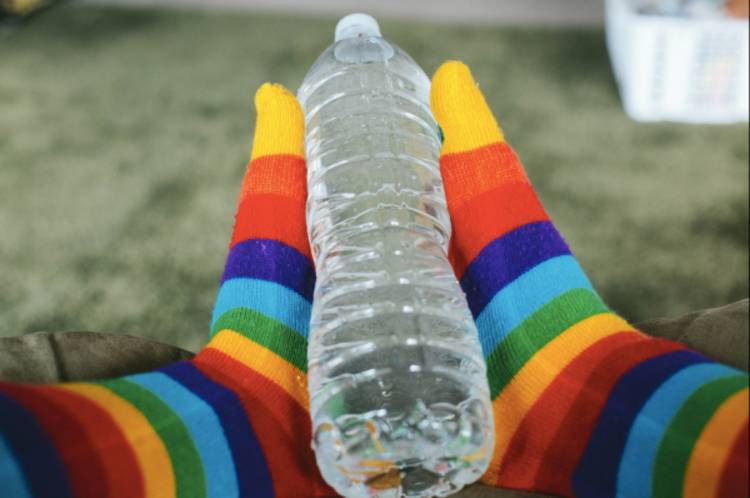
(679, 68)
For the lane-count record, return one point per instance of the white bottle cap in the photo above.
(355, 25)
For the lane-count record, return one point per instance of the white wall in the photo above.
(546, 12)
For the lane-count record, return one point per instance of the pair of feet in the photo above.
(583, 404)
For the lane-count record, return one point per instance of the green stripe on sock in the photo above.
(267, 332)
(678, 441)
(186, 462)
(535, 332)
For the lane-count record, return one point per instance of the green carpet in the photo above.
(124, 135)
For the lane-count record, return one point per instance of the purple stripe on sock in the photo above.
(506, 258)
(267, 259)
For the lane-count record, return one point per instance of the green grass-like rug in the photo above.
(124, 134)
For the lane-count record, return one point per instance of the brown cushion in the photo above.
(71, 356)
(482, 491)
(721, 333)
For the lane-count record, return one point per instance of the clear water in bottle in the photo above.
(399, 397)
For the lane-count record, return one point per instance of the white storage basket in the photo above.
(679, 68)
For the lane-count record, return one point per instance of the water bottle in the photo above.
(399, 396)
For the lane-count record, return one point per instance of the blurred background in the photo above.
(125, 128)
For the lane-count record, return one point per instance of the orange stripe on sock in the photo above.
(516, 399)
(473, 172)
(68, 436)
(528, 445)
(711, 450)
(272, 366)
(573, 433)
(489, 215)
(120, 467)
(281, 174)
(285, 409)
(153, 459)
(734, 480)
(281, 425)
(270, 216)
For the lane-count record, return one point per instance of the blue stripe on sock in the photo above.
(525, 295)
(266, 259)
(596, 473)
(506, 258)
(35, 453)
(635, 474)
(269, 298)
(253, 476)
(11, 478)
(204, 428)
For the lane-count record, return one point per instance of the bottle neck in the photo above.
(363, 50)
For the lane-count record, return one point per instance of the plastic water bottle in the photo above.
(399, 397)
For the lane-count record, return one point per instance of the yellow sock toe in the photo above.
(461, 111)
(279, 126)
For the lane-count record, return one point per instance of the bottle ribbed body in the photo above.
(399, 396)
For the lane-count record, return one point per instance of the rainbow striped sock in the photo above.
(234, 421)
(584, 405)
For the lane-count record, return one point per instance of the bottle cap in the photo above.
(355, 25)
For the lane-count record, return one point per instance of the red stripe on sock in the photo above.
(572, 435)
(271, 216)
(734, 480)
(80, 460)
(488, 216)
(525, 453)
(120, 467)
(281, 425)
(467, 174)
(278, 401)
(281, 174)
